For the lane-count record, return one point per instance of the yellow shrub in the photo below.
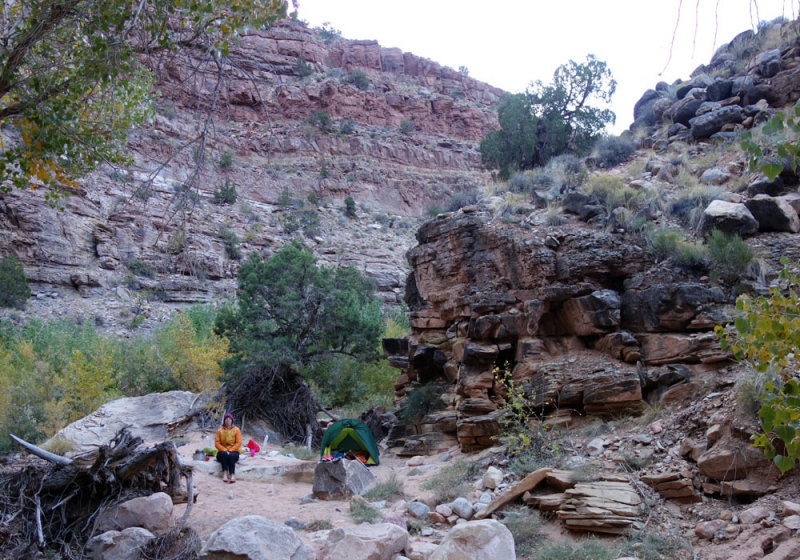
(87, 381)
(194, 364)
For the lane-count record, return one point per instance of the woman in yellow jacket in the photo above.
(228, 443)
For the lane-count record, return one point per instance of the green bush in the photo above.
(141, 268)
(612, 190)
(730, 255)
(347, 126)
(653, 546)
(611, 151)
(420, 401)
(538, 179)
(530, 445)
(525, 526)
(663, 242)
(358, 79)
(321, 120)
(14, 289)
(433, 211)
(285, 198)
(461, 199)
(406, 127)
(302, 68)
(231, 242)
(350, 207)
(329, 34)
(453, 481)
(319, 525)
(225, 193)
(362, 512)
(766, 334)
(389, 489)
(589, 549)
(226, 160)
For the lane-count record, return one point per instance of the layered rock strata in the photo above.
(575, 315)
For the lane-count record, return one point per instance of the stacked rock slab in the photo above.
(573, 313)
(601, 507)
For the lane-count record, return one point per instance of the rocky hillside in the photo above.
(575, 292)
(304, 120)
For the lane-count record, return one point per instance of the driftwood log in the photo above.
(52, 507)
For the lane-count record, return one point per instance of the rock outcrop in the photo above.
(568, 311)
(142, 231)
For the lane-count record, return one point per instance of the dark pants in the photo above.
(228, 460)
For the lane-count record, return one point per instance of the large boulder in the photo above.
(707, 124)
(685, 109)
(770, 63)
(153, 512)
(729, 217)
(731, 459)
(669, 307)
(486, 539)
(773, 214)
(341, 479)
(146, 417)
(596, 313)
(381, 541)
(118, 545)
(643, 109)
(253, 537)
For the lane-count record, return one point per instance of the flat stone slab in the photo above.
(263, 469)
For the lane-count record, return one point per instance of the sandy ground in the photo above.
(218, 502)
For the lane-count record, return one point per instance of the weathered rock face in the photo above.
(144, 216)
(567, 311)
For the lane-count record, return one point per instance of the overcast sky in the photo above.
(509, 43)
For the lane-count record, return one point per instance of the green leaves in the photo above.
(74, 82)
(549, 120)
(292, 312)
(774, 150)
(767, 334)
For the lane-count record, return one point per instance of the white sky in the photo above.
(509, 43)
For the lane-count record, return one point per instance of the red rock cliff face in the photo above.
(144, 215)
(579, 316)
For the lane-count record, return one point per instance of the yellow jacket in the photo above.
(228, 439)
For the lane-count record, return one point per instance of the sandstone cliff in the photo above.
(126, 231)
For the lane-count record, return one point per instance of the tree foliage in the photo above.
(14, 289)
(767, 335)
(294, 312)
(778, 145)
(291, 316)
(73, 78)
(548, 120)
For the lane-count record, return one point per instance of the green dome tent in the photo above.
(350, 435)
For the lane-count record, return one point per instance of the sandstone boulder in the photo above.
(773, 214)
(486, 539)
(602, 507)
(118, 545)
(253, 537)
(146, 417)
(341, 479)
(730, 218)
(731, 459)
(153, 513)
(381, 541)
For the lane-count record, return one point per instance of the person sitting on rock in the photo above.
(228, 443)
